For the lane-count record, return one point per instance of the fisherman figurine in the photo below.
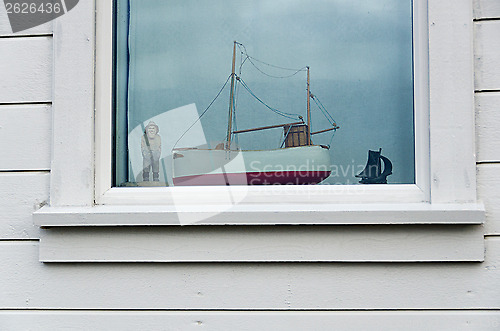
(372, 174)
(151, 151)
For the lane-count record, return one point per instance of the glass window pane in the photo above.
(173, 58)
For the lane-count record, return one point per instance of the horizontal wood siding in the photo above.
(132, 296)
(488, 177)
(26, 69)
(6, 30)
(29, 284)
(484, 9)
(25, 136)
(487, 100)
(25, 128)
(487, 56)
(22, 193)
(488, 127)
(252, 320)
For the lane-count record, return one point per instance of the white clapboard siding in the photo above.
(25, 137)
(26, 69)
(487, 55)
(488, 126)
(486, 9)
(28, 284)
(6, 30)
(251, 320)
(263, 244)
(488, 186)
(21, 193)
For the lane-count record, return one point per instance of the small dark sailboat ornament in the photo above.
(372, 174)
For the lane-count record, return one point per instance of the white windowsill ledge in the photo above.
(262, 214)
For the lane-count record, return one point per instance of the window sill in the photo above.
(261, 214)
(420, 232)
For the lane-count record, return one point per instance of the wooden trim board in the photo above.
(415, 243)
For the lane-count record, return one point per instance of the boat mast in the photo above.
(231, 100)
(308, 109)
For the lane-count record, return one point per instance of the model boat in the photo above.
(297, 161)
(372, 173)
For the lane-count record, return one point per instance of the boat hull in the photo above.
(287, 166)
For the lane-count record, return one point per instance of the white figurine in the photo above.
(151, 151)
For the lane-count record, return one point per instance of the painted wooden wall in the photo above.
(226, 296)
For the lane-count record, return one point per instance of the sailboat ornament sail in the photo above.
(372, 173)
(296, 161)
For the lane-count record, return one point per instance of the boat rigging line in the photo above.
(325, 112)
(245, 56)
(328, 117)
(203, 113)
(279, 112)
(237, 81)
(251, 59)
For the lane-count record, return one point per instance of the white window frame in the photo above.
(107, 195)
(445, 189)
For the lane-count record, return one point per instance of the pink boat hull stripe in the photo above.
(254, 178)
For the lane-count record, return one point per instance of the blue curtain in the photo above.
(171, 54)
